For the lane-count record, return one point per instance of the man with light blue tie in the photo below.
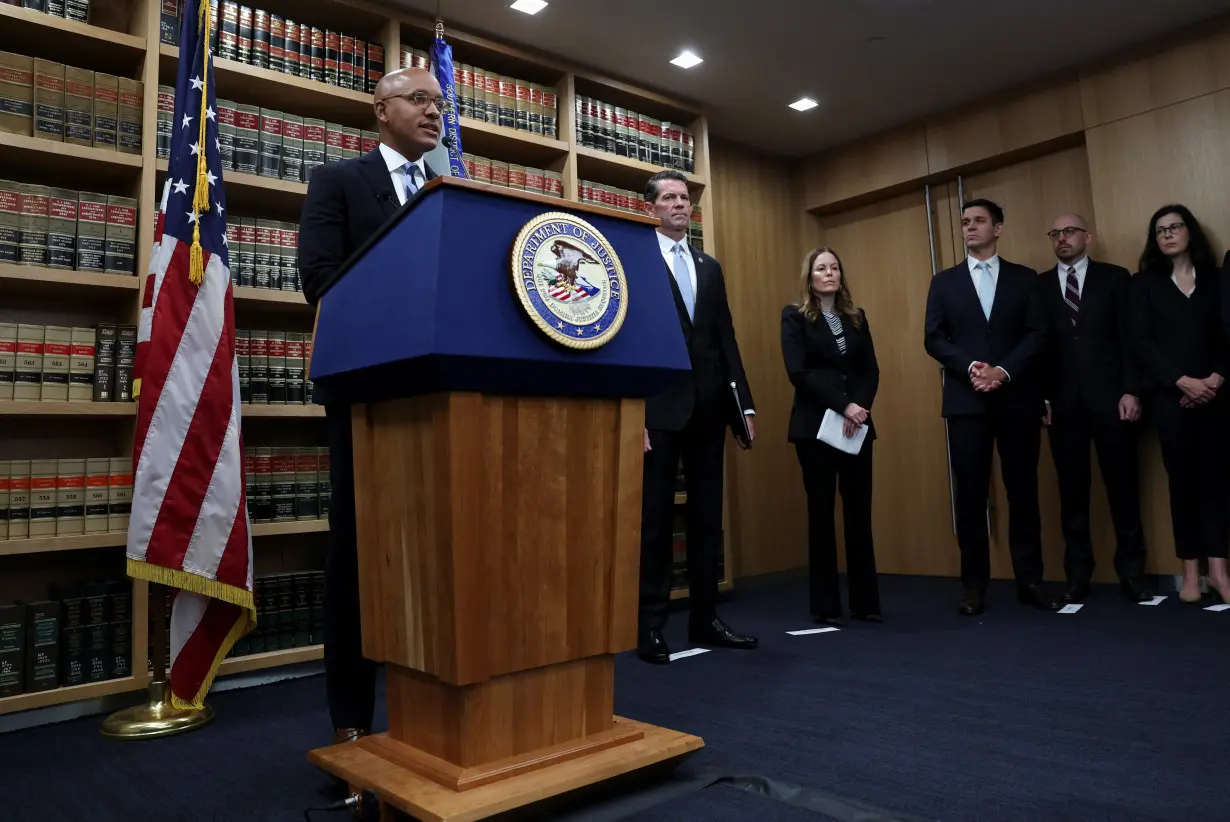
(986, 325)
(688, 422)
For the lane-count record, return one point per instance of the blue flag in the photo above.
(442, 66)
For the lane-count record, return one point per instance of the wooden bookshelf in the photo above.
(122, 39)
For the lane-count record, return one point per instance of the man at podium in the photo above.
(346, 204)
(688, 421)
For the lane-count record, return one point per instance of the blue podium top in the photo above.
(430, 306)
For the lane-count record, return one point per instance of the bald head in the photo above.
(1070, 219)
(1070, 237)
(408, 111)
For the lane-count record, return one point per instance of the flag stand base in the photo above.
(155, 719)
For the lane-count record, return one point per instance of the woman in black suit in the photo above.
(1176, 328)
(829, 356)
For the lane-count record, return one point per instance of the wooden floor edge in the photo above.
(424, 799)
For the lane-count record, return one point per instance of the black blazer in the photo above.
(1176, 336)
(822, 376)
(714, 353)
(958, 334)
(346, 203)
(1225, 298)
(1089, 364)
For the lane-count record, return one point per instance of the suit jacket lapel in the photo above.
(1093, 286)
(966, 286)
(376, 173)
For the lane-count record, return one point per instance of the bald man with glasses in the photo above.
(348, 202)
(1090, 386)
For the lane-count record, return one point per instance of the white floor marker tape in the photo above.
(688, 652)
(813, 631)
(1157, 600)
(1071, 609)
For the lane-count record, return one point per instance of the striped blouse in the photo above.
(834, 322)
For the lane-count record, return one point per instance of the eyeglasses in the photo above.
(422, 99)
(1173, 228)
(1067, 232)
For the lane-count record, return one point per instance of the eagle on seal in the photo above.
(568, 259)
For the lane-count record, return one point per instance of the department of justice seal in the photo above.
(569, 280)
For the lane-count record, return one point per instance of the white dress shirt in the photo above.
(396, 165)
(993, 264)
(1081, 266)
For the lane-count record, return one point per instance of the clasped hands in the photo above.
(1198, 392)
(855, 415)
(987, 378)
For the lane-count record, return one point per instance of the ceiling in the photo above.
(761, 55)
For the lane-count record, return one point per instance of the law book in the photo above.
(369, 141)
(286, 611)
(70, 497)
(226, 133)
(245, 35)
(72, 656)
(262, 253)
(332, 54)
(291, 63)
(288, 248)
(97, 652)
(553, 184)
(314, 132)
(97, 495)
(33, 5)
(263, 505)
(243, 363)
(131, 101)
(43, 475)
(4, 500)
(8, 360)
(463, 76)
(292, 148)
(232, 242)
(125, 357)
(78, 10)
(351, 142)
(283, 487)
(294, 368)
(119, 663)
(228, 30)
(334, 139)
(61, 228)
(55, 8)
(535, 114)
(491, 96)
(168, 22)
(34, 204)
(324, 483)
(16, 93)
(316, 53)
(318, 606)
(28, 372)
(12, 649)
(277, 43)
(247, 140)
(260, 39)
(521, 105)
(78, 106)
(256, 638)
(91, 231)
(19, 499)
(42, 646)
(119, 493)
(307, 488)
(106, 110)
(259, 358)
(247, 251)
(478, 93)
(120, 242)
(345, 61)
(249, 478)
(270, 143)
(301, 585)
(105, 339)
(57, 356)
(307, 359)
(49, 100)
(375, 66)
(10, 220)
(277, 367)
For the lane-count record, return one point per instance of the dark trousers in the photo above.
(971, 440)
(1192, 443)
(825, 471)
(1072, 432)
(350, 679)
(700, 446)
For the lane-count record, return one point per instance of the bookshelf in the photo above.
(122, 38)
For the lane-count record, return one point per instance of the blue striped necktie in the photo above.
(412, 185)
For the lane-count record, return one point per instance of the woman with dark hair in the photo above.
(830, 359)
(1177, 333)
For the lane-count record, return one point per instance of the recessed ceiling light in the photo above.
(803, 104)
(687, 59)
(529, 6)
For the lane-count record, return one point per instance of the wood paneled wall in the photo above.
(1115, 142)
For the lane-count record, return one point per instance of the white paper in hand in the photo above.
(832, 433)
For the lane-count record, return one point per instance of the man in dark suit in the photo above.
(1089, 383)
(986, 326)
(689, 421)
(347, 203)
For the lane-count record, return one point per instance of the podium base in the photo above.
(367, 765)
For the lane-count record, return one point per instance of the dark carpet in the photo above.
(1116, 713)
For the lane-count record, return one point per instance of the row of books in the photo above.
(270, 143)
(610, 196)
(513, 175)
(495, 98)
(78, 10)
(81, 633)
(290, 613)
(287, 484)
(66, 229)
(272, 366)
(616, 130)
(264, 253)
(43, 98)
(64, 497)
(258, 38)
(57, 363)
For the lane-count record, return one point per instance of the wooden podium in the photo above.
(498, 496)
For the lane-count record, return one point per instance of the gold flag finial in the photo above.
(439, 27)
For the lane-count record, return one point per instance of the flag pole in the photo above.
(157, 717)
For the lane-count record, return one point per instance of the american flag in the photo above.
(189, 524)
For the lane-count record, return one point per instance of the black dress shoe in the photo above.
(832, 622)
(1077, 592)
(652, 648)
(716, 633)
(343, 735)
(973, 604)
(1134, 589)
(1036, 596)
